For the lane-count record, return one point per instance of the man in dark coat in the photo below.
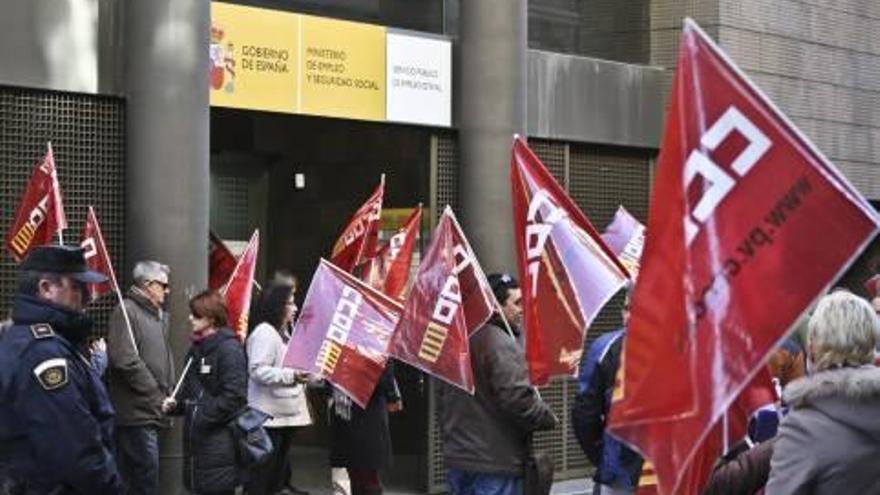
(56, 420)
(486, 436)
(141, 376)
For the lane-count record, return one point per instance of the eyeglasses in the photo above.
(164, 285)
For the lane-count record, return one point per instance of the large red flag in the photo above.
(568, 272)
(221, 262)
(237, 294)
(744, 210)
(449, 300)
(343, 332)
(358, 241)
(40, 213)
(395, 257)
(97, 257)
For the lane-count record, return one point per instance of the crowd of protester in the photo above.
(61, 432)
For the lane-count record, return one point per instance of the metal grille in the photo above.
(554, 156)
(446, 180)
(88, 138)
(229, 207)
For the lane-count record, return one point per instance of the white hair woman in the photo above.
(830, 441)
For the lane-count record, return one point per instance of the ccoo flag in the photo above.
(450, 299)
(625, 236)
(40, 213)
(395, 258)
(343, 332)
(358, 241)
(744, 210)
(221, 262)
(237, 294)
(568, 272)
(97, 257)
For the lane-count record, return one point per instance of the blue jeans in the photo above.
(137, 457)
(463, 482)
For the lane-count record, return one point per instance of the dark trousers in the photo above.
(274, 474)
(137, 458)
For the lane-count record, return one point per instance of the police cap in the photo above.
(66, 260)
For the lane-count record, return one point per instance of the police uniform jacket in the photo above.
(56, 420)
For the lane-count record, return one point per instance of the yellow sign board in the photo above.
(254, 58)
(342, 69)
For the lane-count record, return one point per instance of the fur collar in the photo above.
(846, 383)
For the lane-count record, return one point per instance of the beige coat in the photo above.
(271, 387)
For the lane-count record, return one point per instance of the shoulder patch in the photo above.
(52, 373)
(42, 330)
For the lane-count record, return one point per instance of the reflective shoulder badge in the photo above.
(42, 330)
(52, 373)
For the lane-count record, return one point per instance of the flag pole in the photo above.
(189, 363)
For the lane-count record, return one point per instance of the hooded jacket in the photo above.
(490, 431)
(141, 378)
(830, 441)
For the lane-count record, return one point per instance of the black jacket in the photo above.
(139, 379)
(490, 431)
(214, 390)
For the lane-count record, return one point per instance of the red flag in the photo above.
(97, 257)
(744, 210)
(40, 213)
(396, 256)
(625, 236)
(237, 294)
(449, 300)
(343, 331)
(358, 241)
(568, 272)
(221, 263)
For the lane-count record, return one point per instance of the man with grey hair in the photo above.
(830, 441)
(141, 376)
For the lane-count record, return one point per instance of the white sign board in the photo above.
(419, 80)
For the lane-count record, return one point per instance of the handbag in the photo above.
(538, 476)
(252, 442)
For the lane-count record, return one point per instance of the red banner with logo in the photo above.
(237, 294)
(358, 240)
(343, 332)
(40, 213)
(748, 224)
(568, 273)
(449, 300)
(391, 265)
(625, 236)
(97, 257)
(221, 262)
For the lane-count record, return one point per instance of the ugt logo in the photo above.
(720, 183)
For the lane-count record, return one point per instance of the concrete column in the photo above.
(167, 175)
(493, 51)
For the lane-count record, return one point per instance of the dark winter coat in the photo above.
(364, 441)
(139, 379)
(214, 390)
(830, 441)
(745, 474)
(490, 431)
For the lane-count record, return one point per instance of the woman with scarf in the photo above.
(214, 390)
(274, 389)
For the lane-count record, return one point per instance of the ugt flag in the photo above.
(568, 272)
(449, 300)
(748, 224)
(625, 236)
(237, 294)
(40, 213)
(221, 262)
(394, 259)
(343, 332)
(358, 240)
(97, 257)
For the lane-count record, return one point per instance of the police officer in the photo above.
(56, 420)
